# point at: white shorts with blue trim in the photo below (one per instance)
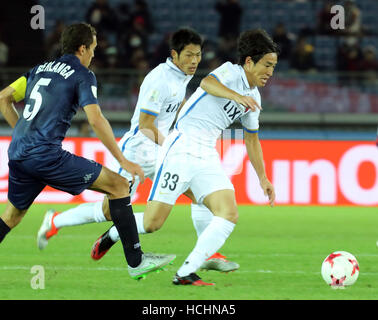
(180, 168)
(138, 150)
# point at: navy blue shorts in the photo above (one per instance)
(65, 171)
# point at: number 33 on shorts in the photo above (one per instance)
(169, 181)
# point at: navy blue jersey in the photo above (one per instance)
(54, 92)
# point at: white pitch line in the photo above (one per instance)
(294, 255)
(62, 268)
(231, 256)
(65, 268)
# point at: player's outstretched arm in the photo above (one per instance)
(104, 132)
(6, 106)
(255, 155)
(212, 86)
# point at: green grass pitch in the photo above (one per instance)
(280, 251)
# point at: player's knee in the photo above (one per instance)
(123, 186)
(233, 217)
(120, 187)
(152, 225)
(149, 228)
(230, 215)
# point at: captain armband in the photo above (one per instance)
(20, 88)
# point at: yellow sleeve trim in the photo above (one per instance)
(20, 88)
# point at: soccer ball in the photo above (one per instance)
(340, 269)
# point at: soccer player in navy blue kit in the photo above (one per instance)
(52, 93)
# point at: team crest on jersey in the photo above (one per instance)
(224, 73)
(154, 95)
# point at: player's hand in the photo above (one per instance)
(268, 190)
(134, 169)
(248, 102)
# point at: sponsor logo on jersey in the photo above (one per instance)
(232, 111)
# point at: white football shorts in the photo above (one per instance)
(182, 165)
(145, 156)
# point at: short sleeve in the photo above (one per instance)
(87, 89)
(225, 73)
(250, 121)
(152, 96)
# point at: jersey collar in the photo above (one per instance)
(70, 56)
(244, 77)
(170, 63)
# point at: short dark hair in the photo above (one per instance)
(75, 36)
(255, 43)
(182, 37)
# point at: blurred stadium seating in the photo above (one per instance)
(201, 15)
(118, 88)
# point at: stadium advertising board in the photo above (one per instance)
(304, 172)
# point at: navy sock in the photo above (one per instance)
(4, 229)
(123, 218)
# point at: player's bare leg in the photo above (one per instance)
(148, 221)
(157, 214)
(10, 218)
(103, 243)
(105, 209)
(119, 206)
(152, 219)
(223, 205)
(201, 217)
(122, 215)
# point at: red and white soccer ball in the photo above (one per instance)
(340, 269)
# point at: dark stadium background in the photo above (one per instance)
(325, 84)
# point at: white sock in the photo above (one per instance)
(139, 222)
(212, 239)
(113, 232)
(98, 214)
(82, 214)
(201, 217)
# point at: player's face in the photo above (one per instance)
(88, 53)
(258, 74)
(188, 59)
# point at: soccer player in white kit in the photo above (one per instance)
(161, 95)
(188, 158)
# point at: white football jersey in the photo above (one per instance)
(204, 116)
(161, 93)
